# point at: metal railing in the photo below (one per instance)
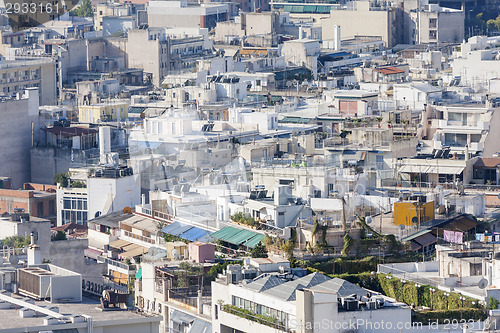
(116, 263)
(138, 237)
(408, 276)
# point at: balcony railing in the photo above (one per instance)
(250, 315)
(116, 263)
(138, 237)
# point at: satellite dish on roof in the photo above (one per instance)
(402, 226)
(439, 188)
(482, 283)
(414, 219)
(13, 259)
(368, 219)
(127, 210)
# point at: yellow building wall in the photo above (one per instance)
(94, 113)
(404, 212)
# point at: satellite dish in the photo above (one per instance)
(414, 219)
(498, 195)
(13, 259)
(127, 210)
(142, 115)
(368, 219)
(359, 189)
(439, 188)
(175, 254)
(402, 226)
(482, 283)
(401, 197)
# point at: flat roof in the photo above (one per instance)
(9, 318)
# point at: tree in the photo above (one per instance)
(259, 251)
(16, 241)
(494, 24)
(61, 178)
(492, 303)
(288, 248)
(85, 10)
(60, 235)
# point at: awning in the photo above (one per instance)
(252, 242)
(461, 223)
(414, 168)
(447, 170)
(430, 169)
(119, 278)
(176, 229)
(237, 236)
(138, 275)
(194, 234)
(134, 252)
(181, 317)
(420, 239)
(118, 244)
(200, 326)
(91, 253)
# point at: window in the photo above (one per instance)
(39, 209)
(52, 208)
(432, 34)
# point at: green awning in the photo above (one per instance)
(138, 275)
(225, 233)
(252, 242)
(287, 8)
(324, 9)
(242, 236)
(238, 236)
(136, 109)
(295, 120)
(309, 9)
(297, 9)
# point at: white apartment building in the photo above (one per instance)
(179, 14)
(18, 75)
(414, 95)
(107, 190)
(299, 305)
(458, 126)
(435, 24)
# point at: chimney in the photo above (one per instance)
(34, 255)
(301, 32)
(336, 38)
(467, 152)
(143, 200)
(104, 143)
